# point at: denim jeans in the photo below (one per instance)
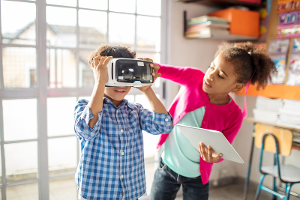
(167, 183)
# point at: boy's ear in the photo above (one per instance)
(238, 87)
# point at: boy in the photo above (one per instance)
(110, 132)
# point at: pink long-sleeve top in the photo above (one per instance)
(224, 118)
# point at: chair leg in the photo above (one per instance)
(274, 188)
(259, 186)
(288, 187)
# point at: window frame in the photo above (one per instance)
(41, 92)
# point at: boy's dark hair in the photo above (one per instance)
(246, 58)
(109, 50)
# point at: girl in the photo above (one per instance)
(203, 101)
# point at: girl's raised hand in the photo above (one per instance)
(154, 73)
(154, 66)
(100, 69)
(208, 154)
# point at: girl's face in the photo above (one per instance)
(220, 77)
(116, 94)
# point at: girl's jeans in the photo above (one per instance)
(167, 182)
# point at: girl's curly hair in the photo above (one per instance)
(109, 50)
(246, 58)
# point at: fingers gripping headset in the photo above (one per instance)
(127, 71)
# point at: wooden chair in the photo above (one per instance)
(277, 141)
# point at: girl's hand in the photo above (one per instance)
(208, 154)
(154, 73)
(100, 69)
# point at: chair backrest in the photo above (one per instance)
(284, 137)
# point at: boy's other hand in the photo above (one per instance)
(208, 154)
(154, 73)
(100, 69)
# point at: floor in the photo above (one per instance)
(65, 189)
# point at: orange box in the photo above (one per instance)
(242, 22)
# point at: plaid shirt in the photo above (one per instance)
(112, 155)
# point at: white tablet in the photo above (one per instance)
(215, 139)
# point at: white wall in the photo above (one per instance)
(242, 144)
(186, 52)
(191, 52)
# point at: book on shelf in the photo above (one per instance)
(296, 144)
(288, 31)
(198, 22)
(296, 46)
(287, 5)
(294, 70)
(207, 33)
(205, 18)
(295, 139)
(280, 63)
(278, 46)
(204, 29)
(206, 24)
(296, 134)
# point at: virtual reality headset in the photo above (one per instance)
(127, 71)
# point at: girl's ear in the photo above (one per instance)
(238, 87)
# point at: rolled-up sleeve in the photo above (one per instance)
(83, 115)
(155, 123)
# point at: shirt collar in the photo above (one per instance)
(108, 101)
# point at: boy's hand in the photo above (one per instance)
(100, 69)
(154, 73)
(208, 154)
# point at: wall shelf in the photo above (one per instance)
(224, 3)
(274, 91)
(232, 38)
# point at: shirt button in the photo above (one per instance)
(121, 130)
(122, 153)
(121, 176)
(166, 119)
(204, 122)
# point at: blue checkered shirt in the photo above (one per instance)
(111, 164)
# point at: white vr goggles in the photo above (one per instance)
(127, 71)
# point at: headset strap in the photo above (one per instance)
(245, 112)
(123, 52)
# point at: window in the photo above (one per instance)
(44, 71)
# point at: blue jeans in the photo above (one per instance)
(167, 183)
